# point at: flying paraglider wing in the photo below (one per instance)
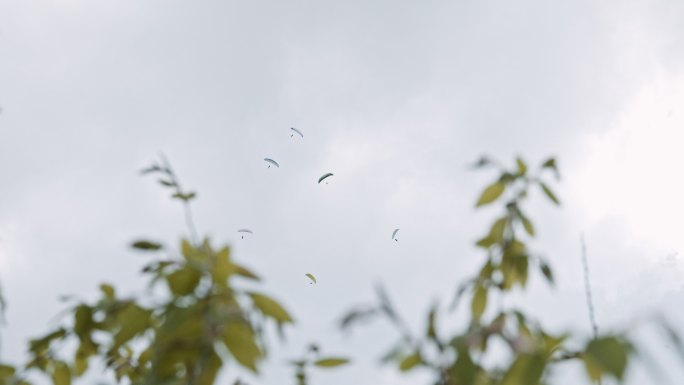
(245, 231)
(321, 179)
(297, 131)
(311, 277)
(271, 161)
(394, 233)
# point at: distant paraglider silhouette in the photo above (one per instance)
(321, 179)
(271, 162)
(244, 231)
(311, 277)
(394, 234)
(297, 131)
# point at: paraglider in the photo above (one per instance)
(271, 162)
(297, 131)
(394, 234)
(245, 231)
(311, 277)
(321, 179)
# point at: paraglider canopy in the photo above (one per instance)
(311, 277)
(394, 234)
(297, 131)
(321, 179)
(271, 162)
(245, 231)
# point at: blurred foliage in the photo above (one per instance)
(313, 358)
(198, 318)
(461, 358)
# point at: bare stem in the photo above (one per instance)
(587, 288)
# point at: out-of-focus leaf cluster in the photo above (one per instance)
(204, 322)
(459, 358)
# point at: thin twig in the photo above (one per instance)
(186, 204)
(587, 288)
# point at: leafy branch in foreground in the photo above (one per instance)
(465, 357)
(203, 321)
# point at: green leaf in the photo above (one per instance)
(479, 303)
(464, 369)
(41, 344)
(241, 342)
(222, 266)
(184, 197)
(491, 193)
(83, 322)
(146, 245)
(331, 362)
(546, 270)
(166, 183)
(153, 168)
(271, 308)
(496, 233)
(6, 373)
(529, 228)
(187, 250)
(522, 167)
(552, 342)
(108, 291)
(244, 272)
(410, 362)
(61, 375)
(526, 369)
(549, 193)
(550, 163)
(210, 368)
(357, 315)
(606, 355)
(184, 281)
(486, 242)
(431, 329)
(80, 364)
(132, 320)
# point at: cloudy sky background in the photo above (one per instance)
(395, 98)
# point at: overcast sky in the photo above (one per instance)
(395, 98)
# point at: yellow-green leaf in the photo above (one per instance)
(549, 193)
(546, 270)
(491, 193)
(6, 373)
(241, 342)
(222, 266)
(244, 272)
(522, 167)
(526, 369)
(146, 245)
(108, 291)
(132, 320)
(496, 233)
(529, 228)
(607, 355)
(61, 375)
(183, 281)
(479, 303)
(410, 362)
(210, 368)
(331, 362)
(486, 242)
(271, 308)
